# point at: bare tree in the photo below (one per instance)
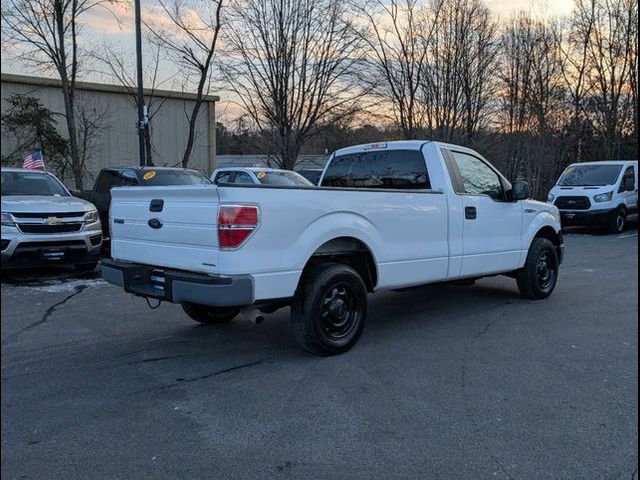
(532, 99)
(462, 52)
(289, 63)
(190, 39)
(396, 39)
(117, 67)
(44, 34)
(610, 58)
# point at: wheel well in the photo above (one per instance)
(349, 251)
(550, 234)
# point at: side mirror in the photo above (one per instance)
(519, 191)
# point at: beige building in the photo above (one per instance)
(117, 142)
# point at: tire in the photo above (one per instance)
(210, 315)
(329, 309)
(538, 278)
(618, 221)
(86, 267)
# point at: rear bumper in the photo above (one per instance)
(178, 286)
(586, 218)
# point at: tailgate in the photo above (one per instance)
(179, 230)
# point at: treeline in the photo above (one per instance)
(532, 92)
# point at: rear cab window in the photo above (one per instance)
(379, 169)
(174, 177)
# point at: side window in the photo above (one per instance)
(107, 179)
(127, 179)
(222, 177)
(393, 169)
(477, 177)
(243, 177)
(628, 183)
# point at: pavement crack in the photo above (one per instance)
(48, 312)
(154, 359)
(484, 330)
(204, 377)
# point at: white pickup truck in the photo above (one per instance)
(385, 216)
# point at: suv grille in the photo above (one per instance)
(20, 215)
(43, 228)
(573, 203)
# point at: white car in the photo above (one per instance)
(258, 176)
(601, 194)
(385, 216)
(42, 224)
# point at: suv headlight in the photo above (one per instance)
(91, 217)
(603, 197)
(7, 220)
(551, 197)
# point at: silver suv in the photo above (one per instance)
(43, 224)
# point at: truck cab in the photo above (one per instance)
(597, 194)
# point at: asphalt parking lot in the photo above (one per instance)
(446, 382)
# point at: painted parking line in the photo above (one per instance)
(628, 235)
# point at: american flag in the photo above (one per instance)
(34, 161)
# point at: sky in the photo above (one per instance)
(116, 28)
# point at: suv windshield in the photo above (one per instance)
(31, 183)
(174, 177)
(589, 175)
(282, 178)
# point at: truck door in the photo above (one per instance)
(492, 225)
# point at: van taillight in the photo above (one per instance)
(236, 224)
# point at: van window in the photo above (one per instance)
(393, 169)
(628, 183)
(590, 175)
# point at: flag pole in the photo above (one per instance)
(140, 96)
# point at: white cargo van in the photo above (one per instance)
(602, 194)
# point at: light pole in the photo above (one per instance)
(141, 106)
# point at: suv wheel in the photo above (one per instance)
(538, 278)
(210, 315)
(329, 309)
(618, 221)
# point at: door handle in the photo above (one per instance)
(470, 213)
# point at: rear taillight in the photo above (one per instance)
(235, 224)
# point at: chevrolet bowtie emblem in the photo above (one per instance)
(52, 221)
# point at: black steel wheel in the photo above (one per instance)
(538, 278)
(618, 221)
(329, 309)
